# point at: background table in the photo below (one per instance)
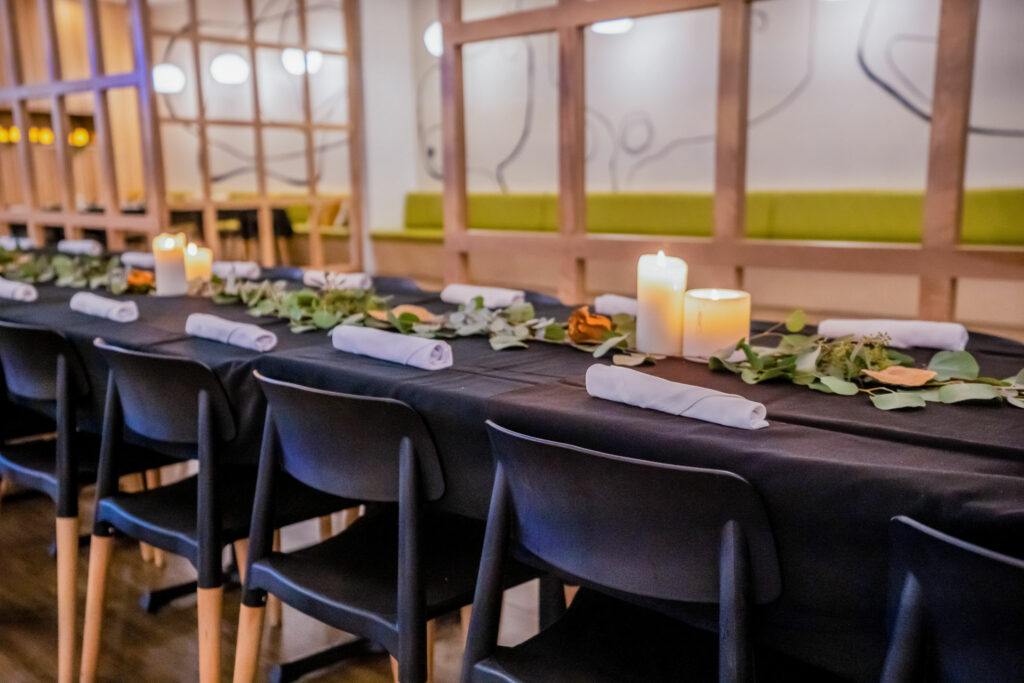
(832, 470)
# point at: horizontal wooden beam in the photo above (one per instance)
(244, 42)
(32, 91)
(245, 123)
(96, 221)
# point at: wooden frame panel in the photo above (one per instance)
(938, 261)
(17, 93)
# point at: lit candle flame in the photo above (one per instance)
(661, 258)
(192, 249)
(167, 243)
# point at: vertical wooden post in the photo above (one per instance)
(264, 217)
(731, 125)
(152, 148)
(356, 133)
(210, 233)
(58, 112)
(572, 146)
(947, 151)
(316, 246)
(103, 144)
(456, 260)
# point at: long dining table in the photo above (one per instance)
(831, 470)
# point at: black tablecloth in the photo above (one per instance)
(832, 470)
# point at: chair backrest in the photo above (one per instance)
(29, 357)
(958, 609)
(348, 445)
(160, 395)
(645, 528)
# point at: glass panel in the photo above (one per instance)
(328, 90)
(223, 18)
(325, 24)
(174, 77)
(280, 91)
(480, 9)
(332, 162)
(182, 174)
(226, 89)
(232, 161)
(833, 86)
(285, 152)
(127, 140)
(169, 15)
(276, 22)
(511, 102)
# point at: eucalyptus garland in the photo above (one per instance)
(848, 367)
(76, 271)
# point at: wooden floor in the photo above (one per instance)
(141, 647)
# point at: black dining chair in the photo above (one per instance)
(676, 538)
(957, 610)
(403, 563)
(177, 405)
(43, 374)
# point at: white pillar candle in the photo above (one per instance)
(715, 319)
(198, 262)
(660, 284)
(169, 264)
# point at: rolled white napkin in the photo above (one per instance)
(613, 304)
(138, 259)
(18, 291)
(494, 297)
(243, 335)
(248, 270)
(101, 306)
(11, 243)
(902, 334)
(427, 354)
(654, 393)
(323, 279)
(80, 247)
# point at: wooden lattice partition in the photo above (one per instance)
(16, 93)
(262, 202)
(938, 261)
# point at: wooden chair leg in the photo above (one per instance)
(153, 481)
(326, 528)
(273, 603)
(5, 486)
(67, 574)
(348, 517)
(465, 616)
(210, 606)
(570, 594)
(100, 550)
(250, 635)
(242, 557)
(394, 670)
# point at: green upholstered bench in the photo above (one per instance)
(991, 216)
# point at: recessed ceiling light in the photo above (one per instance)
(433, 39)
(293, 62)
(168, 78)
(613, 26)
(229, 68)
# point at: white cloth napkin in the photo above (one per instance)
(80, 247)
(10, 243)
(248, 270)
(902, 334)
(243, 335)
(138, 259)
(18, 291)
(613, 304)
(494, 297)
(654, 393)
(323, 279)
(101, 306)
(427, 354)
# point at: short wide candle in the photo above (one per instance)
(660, 284)
(715, 319)
(169, 264)
(198, 262)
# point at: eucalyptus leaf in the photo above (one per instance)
(500, 343)
(1015, 401)
(898, 400)
(325, 320)
(554, 332)
(630, 359)
(796, 321)
(840, 386)
(820, 386)
(609, 344)
(954, 365)
(954, 393)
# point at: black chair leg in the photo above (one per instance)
(551, 600)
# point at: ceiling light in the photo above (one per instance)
(229, 68)
(433, 39)
(168, 78)
(293, 63)
(613, 26)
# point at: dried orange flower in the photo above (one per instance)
(585, 326)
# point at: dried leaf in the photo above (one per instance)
(899, 376)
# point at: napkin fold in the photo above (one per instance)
(494, 297)
(324, 279)
(101, 306)
(248, 270)
(138, 259)
(80, 247)
(426, 354)
(613, 304)
(17, 291)
(11, 243)
(638, 389)
(903, 334)
(243, 335)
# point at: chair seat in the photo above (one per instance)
(603, 639)
(165, 517)
(33, 464)
(350, 580)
